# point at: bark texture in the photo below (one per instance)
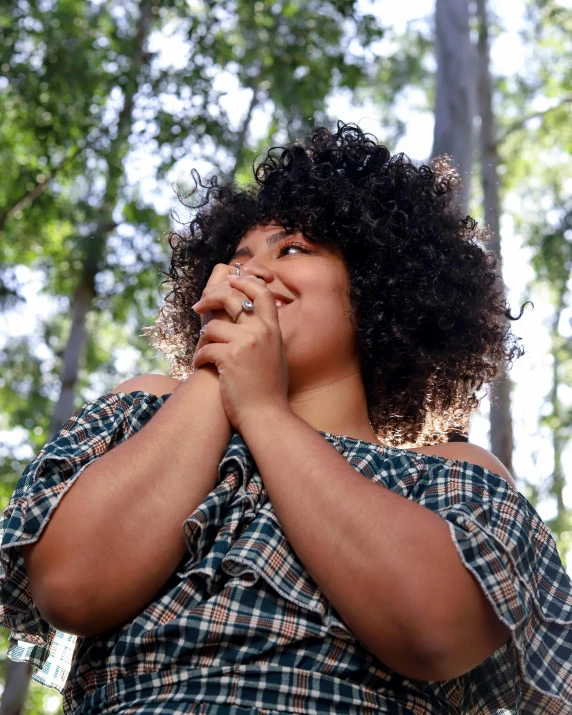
(455, 96)
(455, 103)
(500, 413)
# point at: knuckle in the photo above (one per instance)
(215, 289)
(218, 273)
(221, 268)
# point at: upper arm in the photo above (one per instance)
(466, 452)
(39, 555)
(478, 631)
(155, 384)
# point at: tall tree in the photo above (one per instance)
(535, 146)
(94, 247)
(455, 101)
(553, 267)
(455, 94)
(501, 433)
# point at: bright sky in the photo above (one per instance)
(531, 373)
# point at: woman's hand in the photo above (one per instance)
(249, 355)
(219, 274)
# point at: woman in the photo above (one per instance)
(336, 553)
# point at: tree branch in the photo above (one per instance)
(27, 198)
(519, 124)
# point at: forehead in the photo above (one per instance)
(263, 233)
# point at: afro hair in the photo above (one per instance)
(433, 320)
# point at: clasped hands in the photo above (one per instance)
(249, 355)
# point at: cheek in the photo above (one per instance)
(325, 318)
(319, 331)
(325, 302)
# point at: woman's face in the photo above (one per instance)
(318, 335)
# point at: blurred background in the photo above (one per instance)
(107, 105)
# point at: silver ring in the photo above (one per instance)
(247, 305)
(202, 334)
(237, 268)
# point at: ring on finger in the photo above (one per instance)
(247, 305)
(202, 334)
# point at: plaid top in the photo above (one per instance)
(243, 628)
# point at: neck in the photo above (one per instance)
(335, 405)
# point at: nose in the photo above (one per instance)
(257, 269)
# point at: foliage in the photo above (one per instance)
(535, 144)
(67, 204)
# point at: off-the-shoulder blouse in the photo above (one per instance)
(242, 628)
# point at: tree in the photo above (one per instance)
(535, 144)
(525, 160)
(553, 267)
(500, 414)
(454, 100)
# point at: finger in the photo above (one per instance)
(258, 292)
(215, 290)
(220, 273)
(221, 331)
(203, 339)
(209, 354)
(222, 298)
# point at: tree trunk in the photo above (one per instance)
(455, 96)
(81, 303)
(18, 674)
(500, 413)
(561, 522)
(15, 687)
(455, 104)
(239, 152)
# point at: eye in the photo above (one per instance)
(285, 246)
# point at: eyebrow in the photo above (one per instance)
(270, 241)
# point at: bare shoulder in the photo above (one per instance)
(466, 452)
(154, 383)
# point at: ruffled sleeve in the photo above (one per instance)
(89, 433)
(505, 544)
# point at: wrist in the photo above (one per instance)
(268, 416)
(206, 380)
(209, 373)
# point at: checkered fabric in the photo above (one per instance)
(243, 628)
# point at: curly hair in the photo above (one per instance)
(430, 298)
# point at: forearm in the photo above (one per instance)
(377, 556)
(116, 536)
